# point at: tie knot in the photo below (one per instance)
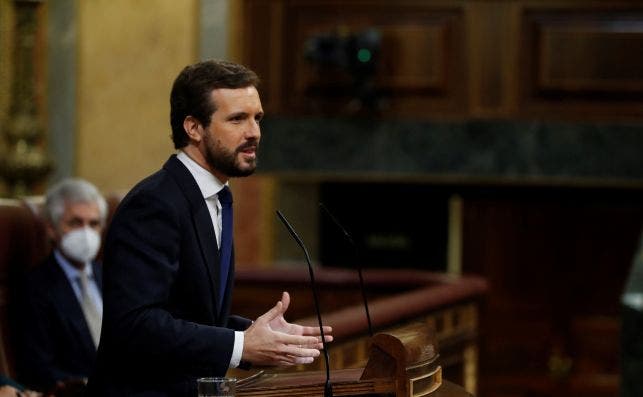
(82, 277)
(83, 281)
(225, 196)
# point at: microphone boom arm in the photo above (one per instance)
(359, 267)
(328, 389)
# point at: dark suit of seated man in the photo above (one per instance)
(62, 302)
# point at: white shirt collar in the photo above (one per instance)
(208, 183)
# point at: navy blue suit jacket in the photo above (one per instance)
(56, 343)
(161, 326)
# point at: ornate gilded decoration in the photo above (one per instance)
(25, 162)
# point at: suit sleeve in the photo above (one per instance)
(239, 323)
(143, 256)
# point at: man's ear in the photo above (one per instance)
(193, 128)
(52, 234)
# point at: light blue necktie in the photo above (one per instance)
(93, 317)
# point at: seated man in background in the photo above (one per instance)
(63, 305)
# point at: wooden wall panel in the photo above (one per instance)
(578, 61)
(583, 59)
(589, 53)
(259, 31)
(421, 61)
(556, 59)
(492, 28)
(414, 57)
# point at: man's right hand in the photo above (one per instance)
(263, 346)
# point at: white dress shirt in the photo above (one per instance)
(210, 186)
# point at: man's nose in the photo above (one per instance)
(253, 130)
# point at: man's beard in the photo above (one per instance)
(225, 161)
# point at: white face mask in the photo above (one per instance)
(81, 244)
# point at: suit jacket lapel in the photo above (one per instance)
(201, 220)
(98, 275)
(69, 307)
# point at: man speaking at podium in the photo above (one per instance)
(169, 257)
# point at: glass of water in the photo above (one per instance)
(216, 387)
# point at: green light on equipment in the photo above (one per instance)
(364, 55)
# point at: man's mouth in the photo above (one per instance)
(248, 150)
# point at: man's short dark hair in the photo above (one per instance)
(192, 88)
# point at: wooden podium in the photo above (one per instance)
(401, 364)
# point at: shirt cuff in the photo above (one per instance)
(634, 300)
(237, 350)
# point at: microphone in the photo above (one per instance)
(359, 267)
(328, 388)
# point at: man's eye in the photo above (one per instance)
(75, 223)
